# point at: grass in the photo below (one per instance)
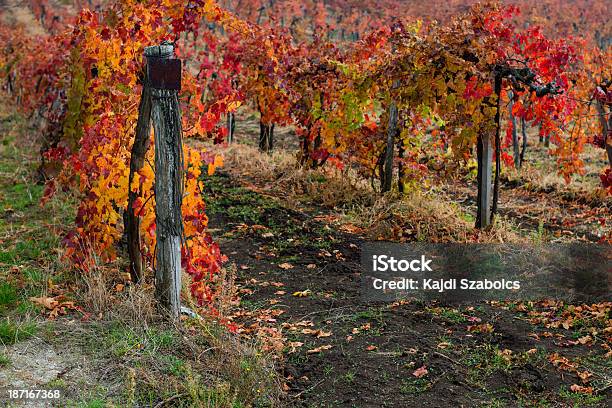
(482, 361)
(238, 203)
(578, 399)
(122, 340)
(5, 361)
(448, 314)
(93, 403)
(8, 295)
(349, 377)
(414, 386)
(12, 332)
(174, 365)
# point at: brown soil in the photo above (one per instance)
(374, 367)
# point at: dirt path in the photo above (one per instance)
(298, 274)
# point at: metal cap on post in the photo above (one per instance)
(163, 70)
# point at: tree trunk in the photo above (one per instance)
(139, 151)
(266, 137)
(400, 169)
(305, 151)
(484, 154)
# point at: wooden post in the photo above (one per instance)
(231, 127)
(524, 144)
(387, 175)
(164, 74)
(497, 88)
(515, 141)
(400, 166)
(485, 156)
(606, 125)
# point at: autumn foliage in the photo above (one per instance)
(325, 74)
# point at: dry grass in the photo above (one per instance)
(416, 216)
(425, 217)
(279, 174)
(209, 366)
(541, 173)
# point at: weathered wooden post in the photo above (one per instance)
(524, 145)
(391, 131)
(485, 156)
(387, 174)
(515, 141)
(164, 74)
(231, 127)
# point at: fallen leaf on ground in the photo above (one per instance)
(581, 389)
(319, 349)
(420, 372)
(481, 328)
(584, 376)
(285, 266)
(294, 346)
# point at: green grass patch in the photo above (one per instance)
(4, 360)
(482, 361)
(448, 314)
(122, 340)
(578, 399)
(8, 256)
(8, 295)
(14, 332)
(237, 203)
(415, 386)
(174, 365)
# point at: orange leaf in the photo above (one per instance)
(420, 372)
